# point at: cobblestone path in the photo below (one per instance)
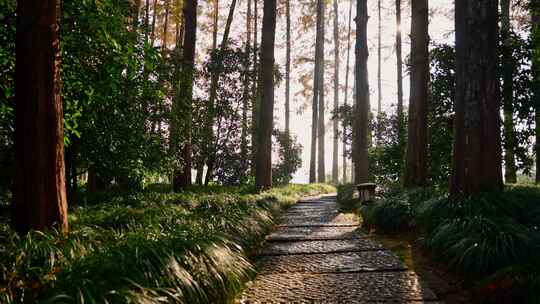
(317, 255)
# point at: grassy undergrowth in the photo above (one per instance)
(150, 247)
(492, 238)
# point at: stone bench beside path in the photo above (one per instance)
(318, 255)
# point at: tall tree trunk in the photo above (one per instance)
(399, 58)
(39, 193)
(379, 60)
(246, 97)
(212, 100)
(316, 96)
(200, 166)
(321, 168)
(288, 68)
(416, 162)
(146, 20)
(256, 97)
(347, 90)
(215, 24)
(362, 108)
(508, 92)
(71, 174)
(153, 29)
(180, 29)
(185, 93)
(136, 12)
(263, 171)
(477, 141)
(165, 27)
(335, 153)
(535, 34)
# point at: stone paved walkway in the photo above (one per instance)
(317, 255)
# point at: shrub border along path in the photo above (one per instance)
(318, 255)
(149, 247)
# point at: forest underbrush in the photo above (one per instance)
(481, 248)
(154, 246)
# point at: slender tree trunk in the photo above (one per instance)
(200, 166)
(185, 93)
(215, 24)
(379, 61)
(246, 97)
(212, 100)
(321, 168)
(316, 96)
(74, 183)
(477, 143)
(508, 92)
(362, 108)
(146, 20)
(256, 97)
(288, 68)
(535, 34)
(416, 166)
(400, 116)
(71, 174)
(335, 152)
(347, 91)
(263, 171)
(136, 12)
(153, 30)
(166, 27)
(39, 193)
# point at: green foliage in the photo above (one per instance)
(441, 113)
(289, 158)
(441, 110)
(481, 234)
(7, 88)
(150, 247)
(107, 95)
(231, 167)
(386, 157)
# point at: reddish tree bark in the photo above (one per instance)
(416, 162)
(263, 170)
(39, 194)
(477, 140)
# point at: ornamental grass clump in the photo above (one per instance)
(148, 247)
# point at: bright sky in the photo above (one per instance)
(441, 28)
